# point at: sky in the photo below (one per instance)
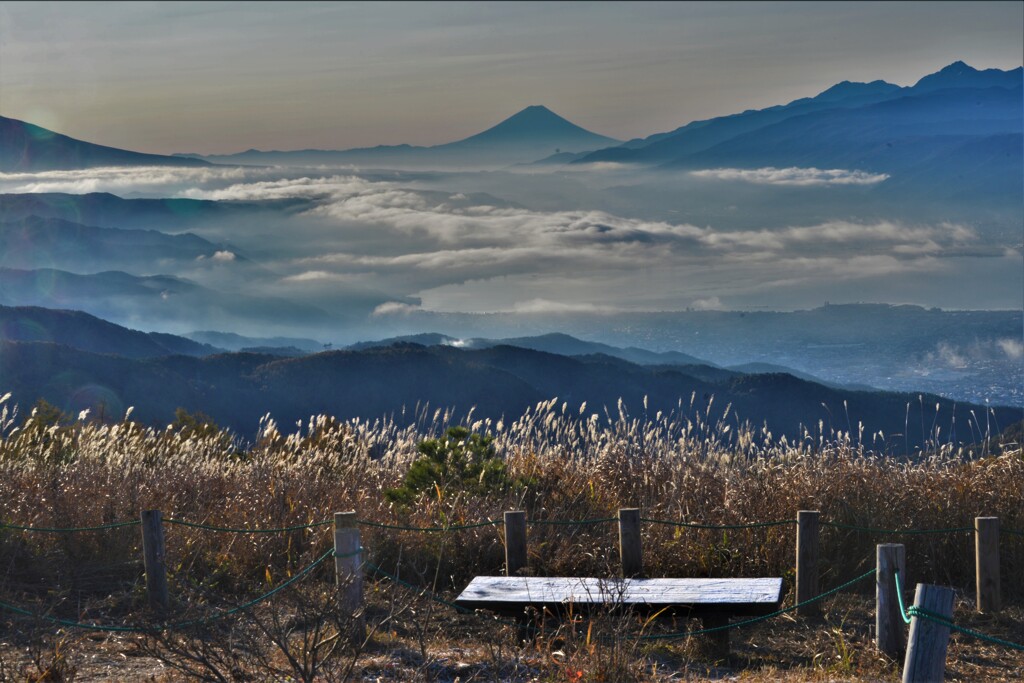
(225, 77)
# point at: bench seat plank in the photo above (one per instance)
(510, 594)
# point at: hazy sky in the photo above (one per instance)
(223, 77)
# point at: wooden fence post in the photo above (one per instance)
(891, 558)
(630, 552)
(986, 562)
(154, 553)
(348, 567)
(515, 542)
(926, 647)
(807, 560)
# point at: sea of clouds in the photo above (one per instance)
(398, 246)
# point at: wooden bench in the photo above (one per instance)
(713, 601)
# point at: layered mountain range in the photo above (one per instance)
(957, 100)
(958, 131)
(107, 369)
(958, 124)
(953, 139)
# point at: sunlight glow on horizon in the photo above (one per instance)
(225, 77)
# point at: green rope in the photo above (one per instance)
(922, 613)
(194, 525)
(422, 591)
(181, 624)
(266, 596)
(1015, 532)
(70, 530)
(572, 522)
(454, 527)
(896, 531)
(693, 525)
(915, 611)
(899, 596)
(433, 596)
(754, 620)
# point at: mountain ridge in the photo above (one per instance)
(79, 330)
(502, 382)
(25, 146)
(525, 136)
(697, 136)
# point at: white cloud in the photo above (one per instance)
(957, 357)
(950, 356)
(549, 306)
(806, 177)
(1013, 348)
(162, 180)
(316, 276)
(712, 303)
(599, 166)
(389, 242)
(395, 308)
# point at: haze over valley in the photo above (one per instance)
(863, 236)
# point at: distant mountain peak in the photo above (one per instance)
(535, 117)
(845, 89)
(962, 75)
(27, 147)
(533, 125)
(536, 112)
(957, 66)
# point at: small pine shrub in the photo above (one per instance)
(460, 461)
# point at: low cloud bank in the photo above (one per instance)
(384, 242)
(801, 177)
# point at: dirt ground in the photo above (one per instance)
(426, 642)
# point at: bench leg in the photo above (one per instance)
(718, 640)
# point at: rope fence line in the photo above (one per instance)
(754, 620)
(180, 624)
(801, 601)
(378, 571)
(429, 529)
(245, 530)
(568, 522)
(489, 522)
(914, 611)
(871, 530)
(69, 530)
(697, 525)
(906, 613)
(922, 613)
(899, 598)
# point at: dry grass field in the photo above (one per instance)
(570, 470)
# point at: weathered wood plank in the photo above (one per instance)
(889, 628)
(348, 567)
(986, 558)
(727, 596)
(154, 554)
(807, 528)
(630, 551)
(515, 542)
(925, 661)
